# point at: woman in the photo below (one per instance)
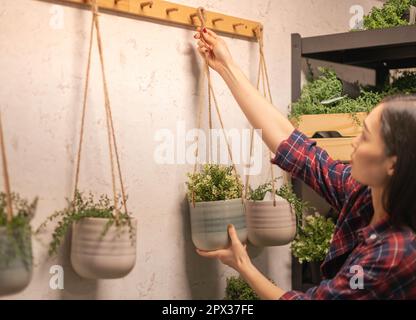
(373, 252)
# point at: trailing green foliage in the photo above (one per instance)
(405, 83)
(391, 14)
(86, 207)
(214, 183)
(313, 241)
(15, 243)
(327, 86)
(238, 289)
(286, 192)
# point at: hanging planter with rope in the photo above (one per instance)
(270, 222)
(214, 193)
(103, 244)
(16, 261)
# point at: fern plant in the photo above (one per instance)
(86, 207)
(214, 183)
(16, 244)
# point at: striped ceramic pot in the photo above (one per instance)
(270, 225)
(98, 256)
(209, 222)
(15, 264)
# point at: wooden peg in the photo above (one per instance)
(116, 2)
(214, 21)
(193, 16)
(169, 10)
(236, 25)
(146, 4)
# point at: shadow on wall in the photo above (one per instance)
(75, 286)
(202, 273)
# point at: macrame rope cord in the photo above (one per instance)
(9, 206)
(112, 143)
(263, 74)
(211, 98)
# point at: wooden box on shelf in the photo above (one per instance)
(347, 125)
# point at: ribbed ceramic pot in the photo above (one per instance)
(209, 222)
(270, 225)
(94, 256)
(16, 268)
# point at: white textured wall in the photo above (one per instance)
(153, 73)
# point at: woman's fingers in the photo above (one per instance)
(209, 38)
(212, 33)
(203, 45)
(210, 254)
(233, 235)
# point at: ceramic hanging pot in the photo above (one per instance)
(210, 220)
(98, 256)
(270, 225)
(16, 262)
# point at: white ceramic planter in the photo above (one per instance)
(94, 256)
(16, 273)
(270, 225)
(209, 222)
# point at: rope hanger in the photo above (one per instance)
(112, 143)
(9, 206)
(262, 75)
(211, 98)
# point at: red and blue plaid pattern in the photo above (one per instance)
(384, 256)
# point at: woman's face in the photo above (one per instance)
(370, 165)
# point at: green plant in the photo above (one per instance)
(85, 207)
(326, 87)
(404, 83)
(286, 192)
(313, 241)
(18, 230)
(214, 183)
(238, 289)
(391, 14)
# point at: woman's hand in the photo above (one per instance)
(235, 256)
(214, 49)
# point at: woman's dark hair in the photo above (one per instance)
(398, 130)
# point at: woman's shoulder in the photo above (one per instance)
(391, 246)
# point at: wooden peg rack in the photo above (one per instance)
(173, 13)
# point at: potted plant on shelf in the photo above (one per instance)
(312, 243)
(393, 13)
(273, 221)
(15, 243)
(215, 201)
(238, 289)
(328, 113)
(103, 244)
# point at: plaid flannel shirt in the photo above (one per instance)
(382, 256)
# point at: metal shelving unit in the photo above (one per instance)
(381, 50)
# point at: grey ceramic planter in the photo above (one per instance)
(94, 256)
(209, 222)
(16, 271)
(270, 225)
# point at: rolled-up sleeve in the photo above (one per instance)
(303, 159)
